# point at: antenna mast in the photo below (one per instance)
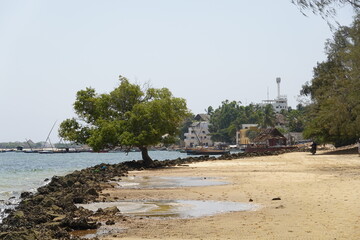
(278, 80)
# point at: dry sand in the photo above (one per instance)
(319, 199)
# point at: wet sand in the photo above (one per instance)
(319, 199)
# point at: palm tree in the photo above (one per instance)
(269, 117)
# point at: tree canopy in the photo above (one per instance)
(126, 117)
(227, 119)
(325, 8)
(334, 114)
(295, 118)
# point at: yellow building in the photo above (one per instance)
(241, 137)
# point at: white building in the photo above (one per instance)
(280, 102)
(198, 133)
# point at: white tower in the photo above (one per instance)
(278, 80)
(280, 102)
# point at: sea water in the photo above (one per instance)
(20, 172)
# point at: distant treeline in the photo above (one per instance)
(30, 144)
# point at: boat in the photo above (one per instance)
(206, 151)
(46, 152)
(31, 149)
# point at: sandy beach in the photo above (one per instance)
(318, 199)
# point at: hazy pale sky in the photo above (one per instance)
(205, 51)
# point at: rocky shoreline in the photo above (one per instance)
(51, 213)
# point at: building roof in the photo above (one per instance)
(269, 133)
(202, 117)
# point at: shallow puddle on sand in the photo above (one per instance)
(167, 182)
(173, 208)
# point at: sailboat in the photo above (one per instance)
(48, 151)
(31, 149)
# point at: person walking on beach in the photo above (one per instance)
(313, 147)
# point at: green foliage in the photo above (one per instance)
(325, 8)
(209, 110)
(334, 90)
(126, 117)
(295, 118)
(185, 127)
(268, 116)
(222, 120)
(228, 118)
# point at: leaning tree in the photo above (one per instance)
(126, 117)
(326, 8)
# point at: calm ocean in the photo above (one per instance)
(21, 172)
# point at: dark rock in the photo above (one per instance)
(69, 182)
(276, 199)
(18, 235)
(250, 200)
(43, 190)
(81, 223)
(78, 199)
(7, 210)
(92, 192)
(25, 194)
(100, 211)
(110, 222)
(111, 210)
(48, 202)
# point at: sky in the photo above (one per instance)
(205, 51)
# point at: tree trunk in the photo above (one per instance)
(145, 156)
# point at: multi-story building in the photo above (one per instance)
(198, 133)
(279, 103)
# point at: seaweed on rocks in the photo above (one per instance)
(51, 213)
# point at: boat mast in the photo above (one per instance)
(27, 141)
(48, 137)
